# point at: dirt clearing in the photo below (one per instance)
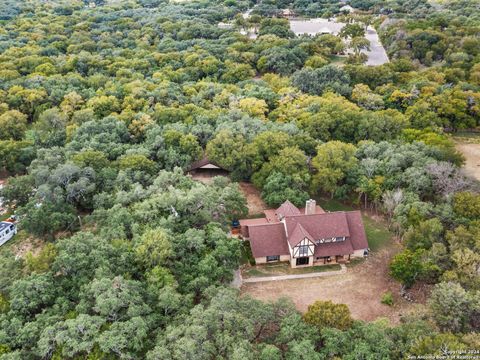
(361, 288)
(255, 203)
(472, 156)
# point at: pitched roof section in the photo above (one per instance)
(357, 230)
(287, 209)
(271, 215)
(320, 226)
(204, 162)
(268, 239)
(252, 222)
(318, 210)
(298, 234)
(333, 249)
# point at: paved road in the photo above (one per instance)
(377, 54)
(343, 270)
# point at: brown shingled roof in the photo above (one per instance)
(357, 230)
(318, 210)
(298, 234)
(202, 162)
(334, 248)
(287, 209)
(268, 239)
(320, 226)
(251, 222)
(268, 236)
(271, 215)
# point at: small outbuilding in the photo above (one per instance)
(206, 168)
(287, 13)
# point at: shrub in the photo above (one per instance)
(387, 298)
(324, 314)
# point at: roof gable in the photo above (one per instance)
(204, 163)
(298, 234)
(287, 209)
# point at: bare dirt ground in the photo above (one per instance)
(471, 151)
(21, 247)
(255, 203)
(361, 288)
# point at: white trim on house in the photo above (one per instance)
(303, 245)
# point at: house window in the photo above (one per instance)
(303, 250)
(273, 258)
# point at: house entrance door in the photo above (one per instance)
(303, 261)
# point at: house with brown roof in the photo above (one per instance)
(206, 167)
(305, 237)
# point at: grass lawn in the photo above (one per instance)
(378, 234)
(277, 269)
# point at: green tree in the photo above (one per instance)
(467, 204)
(41, 263)
(451, 307)
(326, 78)
(50, 128)
(290, 161)
(407, 266)
(352, 31)
(437, 344)
(333, 161)
(326, 314)
(153, 248)
(13, 125)
(103, 105)
(137, 162)
(32, 294)
(279, 187)
(424, 234)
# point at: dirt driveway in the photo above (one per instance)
(361, 288)
(255, 203)
(472, 157)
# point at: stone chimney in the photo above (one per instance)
(310, 207)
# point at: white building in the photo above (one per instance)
(7, 231)
(347, 9)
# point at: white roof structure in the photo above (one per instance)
(315, 26)
(347, 8)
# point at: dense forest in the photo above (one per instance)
(105, 104)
